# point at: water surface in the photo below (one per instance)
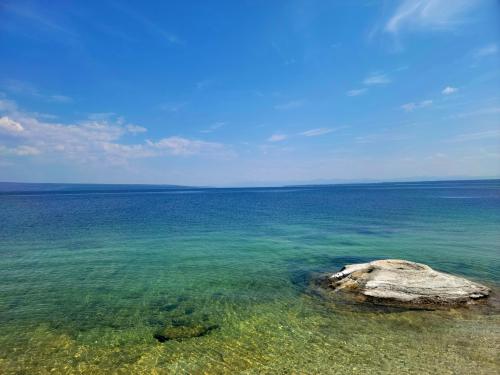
(88, 274)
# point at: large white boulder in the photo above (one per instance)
(393, 281)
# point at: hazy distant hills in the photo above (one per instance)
(10, 187)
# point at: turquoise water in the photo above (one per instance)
(89, 274)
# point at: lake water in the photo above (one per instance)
(89, 274)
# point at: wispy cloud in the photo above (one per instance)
(487, 134)
(38, 18)
(321, 131)
(101, 115)
(20, 87)
(7, 105)
(183, 146)
(485, 51)
(425, 15)
(213, 127)
(292, 104)
(437, 156)
(478, 112)
(409, 107)
(153, 28)
(356, 92)
(317, 132)
(19, 150)
(277, 138)
(28, 89)
(59, 98)
(381, 137)
(172, 106)
(448, 90)
(203, 84)
(373, 79)
(377, 78)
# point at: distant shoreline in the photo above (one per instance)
(30, 188)
(27, 186)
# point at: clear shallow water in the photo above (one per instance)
(87, 276)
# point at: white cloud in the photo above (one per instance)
(428, 15)
(119, 152)
(10, 126)
(317, 132)
(277, 138)
(90, 140)
(134, 129)
(356, 92)
(448, 90)
(409, 107)
(376, 79)
(292, 104)
(22, 150)
(489, 50)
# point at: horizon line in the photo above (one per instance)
(407, 180)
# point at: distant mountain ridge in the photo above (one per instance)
(68, 188)
(9, 187)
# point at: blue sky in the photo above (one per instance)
(248, 92)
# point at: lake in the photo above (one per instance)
(89, 273)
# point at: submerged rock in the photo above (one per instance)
(180, 332)
(400, 282)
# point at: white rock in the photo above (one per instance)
(400, 281)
